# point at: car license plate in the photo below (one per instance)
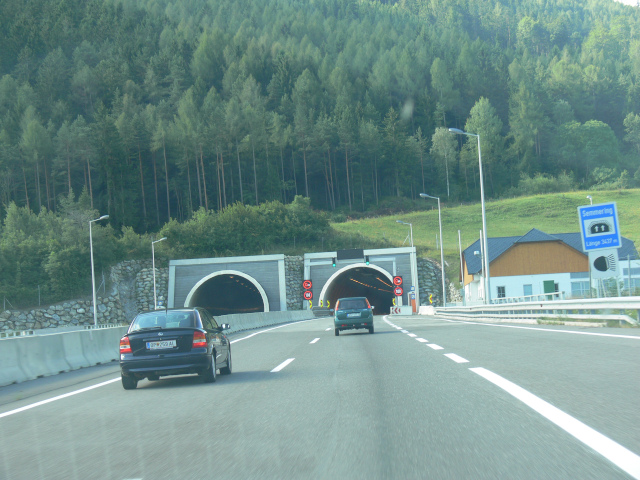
(161, 345)
(351, 315)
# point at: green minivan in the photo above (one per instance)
(351, 313)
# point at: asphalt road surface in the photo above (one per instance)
(422, 398)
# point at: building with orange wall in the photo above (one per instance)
(537, 263)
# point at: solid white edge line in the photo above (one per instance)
(59, 397)
(456, 358)
(632, 337)
(314, 340)
(612, 451)
(282, 365)
(269, 329)
(434, 346)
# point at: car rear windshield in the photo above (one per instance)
(353, 304)
(163, 320)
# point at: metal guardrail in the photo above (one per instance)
(580, 309)
(530, 298)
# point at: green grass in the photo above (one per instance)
(552, 213)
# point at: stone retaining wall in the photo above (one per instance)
(294, 276)
(74, 312)
(430, 281)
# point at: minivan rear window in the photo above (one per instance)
(353, 304)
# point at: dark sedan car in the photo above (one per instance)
(174, 342)
(351, 313)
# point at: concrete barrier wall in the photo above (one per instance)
(27, 358)
(247, 321)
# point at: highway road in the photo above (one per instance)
(422, 398)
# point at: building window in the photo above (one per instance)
(579, 289)
(501, 292)
(527, 290)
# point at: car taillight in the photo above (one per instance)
(199, 339)
(125, 346)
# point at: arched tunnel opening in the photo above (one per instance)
(227, 293)
(363, 282)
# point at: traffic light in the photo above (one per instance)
(334, 262)
(366, 259)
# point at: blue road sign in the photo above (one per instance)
(599, 226)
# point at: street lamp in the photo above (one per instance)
(457, 131)
(444, 292)
(590, 199)
(410, 230)
(153, 264)
(93, 275)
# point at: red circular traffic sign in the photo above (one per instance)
(397, 280)
(398, 291)
(307, 284)
(308, 294)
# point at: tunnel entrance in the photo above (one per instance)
(362, 281)
(227, 292)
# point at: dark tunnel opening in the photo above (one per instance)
(226, 294)
(363, 282)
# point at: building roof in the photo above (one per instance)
(499, 245)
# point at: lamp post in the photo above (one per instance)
(410, 230)
(93, 275)
(457, 131)
(590, 199)
(153, 265)
(444, 292)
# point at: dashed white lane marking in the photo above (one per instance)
(314, 340)
(422, 340)
(412, 335)
(59, 397)
(398, 328)
(612, 451)
(404, 331)
(327, 329)
(456, 358)
(434, 346)
(282, 365)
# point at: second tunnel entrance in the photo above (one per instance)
(361, 281)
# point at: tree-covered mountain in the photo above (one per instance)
(161, 107)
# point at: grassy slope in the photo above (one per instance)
(552, 213)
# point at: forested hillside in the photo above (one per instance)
(161, 107)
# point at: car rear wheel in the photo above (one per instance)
(371, 329)
(209, 375)
(227, 370)
(337, 332)
(129, 383)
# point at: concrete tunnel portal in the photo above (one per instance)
(361, 281)
(228, 292)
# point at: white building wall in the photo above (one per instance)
(514, 285)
